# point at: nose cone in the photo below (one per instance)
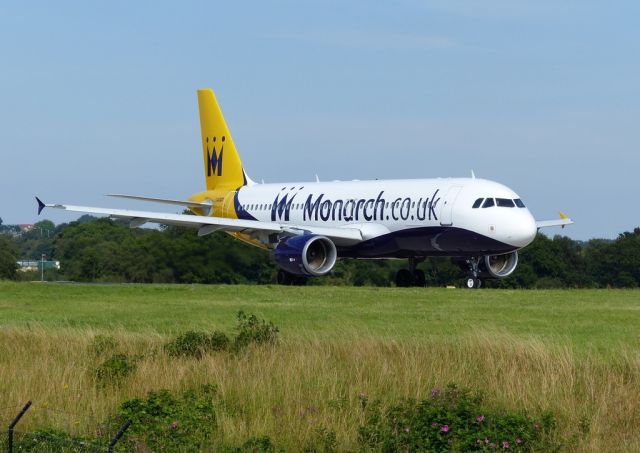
(522, 229)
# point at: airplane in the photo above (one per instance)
(308, 226)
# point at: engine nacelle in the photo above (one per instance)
(306, 255)
(499, 266)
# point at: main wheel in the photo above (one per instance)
(404, 279)
(284, 277)
(419, 279)
(299, 281)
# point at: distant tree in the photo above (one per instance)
(8, 265)
(86, 218)
(617, 263)
(93, 249)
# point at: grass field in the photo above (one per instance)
(573, 352)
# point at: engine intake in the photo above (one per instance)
(306, 255)
(500, 266)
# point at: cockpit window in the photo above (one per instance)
(505, 203)
(519, 203)
(477, 203)
(488, 203)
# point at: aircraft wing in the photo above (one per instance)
(188, 204)
(562, 222)
(206, 225)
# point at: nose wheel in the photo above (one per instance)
(474, 281)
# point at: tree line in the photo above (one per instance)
(103, 250)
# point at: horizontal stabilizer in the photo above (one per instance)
(561, 222)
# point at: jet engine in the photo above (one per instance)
(306, 255)
(499, 266)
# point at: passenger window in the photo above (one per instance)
(519, 203)
(488, 203)
(477, 203)
(505, 202)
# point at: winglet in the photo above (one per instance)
(41, 205)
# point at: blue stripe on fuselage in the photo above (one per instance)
(241, 213)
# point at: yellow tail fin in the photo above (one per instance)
(222, 165)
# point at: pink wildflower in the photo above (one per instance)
(434, 424)
(480, 418)
(407, 430)
(505, 445)
(445, 428)
(174, 425)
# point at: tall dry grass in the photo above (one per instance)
(289, 391)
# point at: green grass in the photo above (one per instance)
(586, 320)
(571, 352)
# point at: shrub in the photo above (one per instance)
(114, 370)
(51, 439)
(452, 420)
(165, 422)
(219, 341)
(190, 344)
(251, 329)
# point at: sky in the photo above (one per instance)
(542, 96)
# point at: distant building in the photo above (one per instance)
(34, 265)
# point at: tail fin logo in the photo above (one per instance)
(214, 161)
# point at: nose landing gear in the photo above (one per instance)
(474, 282)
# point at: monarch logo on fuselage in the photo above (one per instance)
(214, 160)
(320, 208)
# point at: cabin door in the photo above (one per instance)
(446, 211)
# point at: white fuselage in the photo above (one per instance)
(400, 218)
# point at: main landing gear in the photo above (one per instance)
(474, 282)
(286, 278)
(412, 276)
